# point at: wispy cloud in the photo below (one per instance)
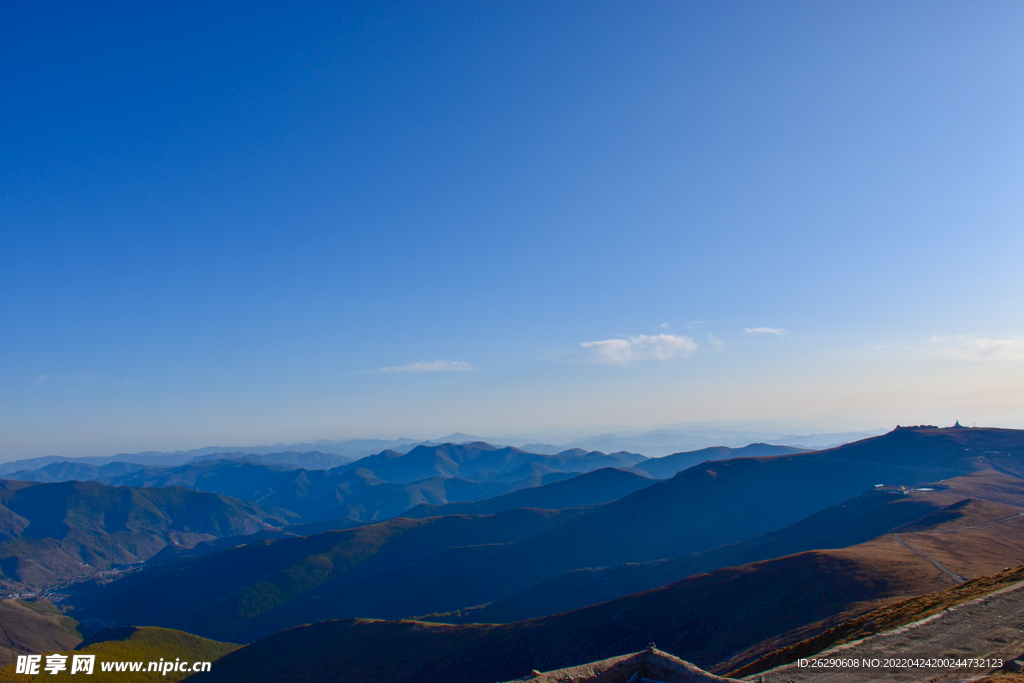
(431, 366)
(972, 347)
(716, 342)
(765, 330)
(642, 347)
(41, 379)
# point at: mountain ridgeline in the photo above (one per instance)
(684, 525)
(373, 488)
(54, 532)
(519, 559)
(40, 551)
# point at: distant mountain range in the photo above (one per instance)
(700, 510)
(655, 443)
(511, 559)
(388, 483)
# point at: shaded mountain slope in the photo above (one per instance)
(591, 488)
(316, 495)
(720, 502)
(704, 507)
(699, 509)
(75, 471)
(704, 619)
(311, 460)
(54, 532)
(854, 521)
(34, 626)
(480, 461)
(385, 500)
(219, 595)
(668, 466)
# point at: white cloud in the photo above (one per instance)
(431, 366)
(972, 347)
(716, 342)
(765, 330)
(642, 347)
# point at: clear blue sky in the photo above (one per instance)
(234, 223)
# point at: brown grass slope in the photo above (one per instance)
(705, 619)
(33, 626)
(884, 619)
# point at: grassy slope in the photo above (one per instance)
(147, 644)
(884, 619)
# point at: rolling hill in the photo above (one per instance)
(591, 488)
(375, 488)
(854, 521)
(482, 462)
(668, 466)
(55, 532)
(706, 619)
(699, 510)
(223, 595)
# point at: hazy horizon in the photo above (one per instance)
(688, 435)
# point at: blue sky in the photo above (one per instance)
(234, 223)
